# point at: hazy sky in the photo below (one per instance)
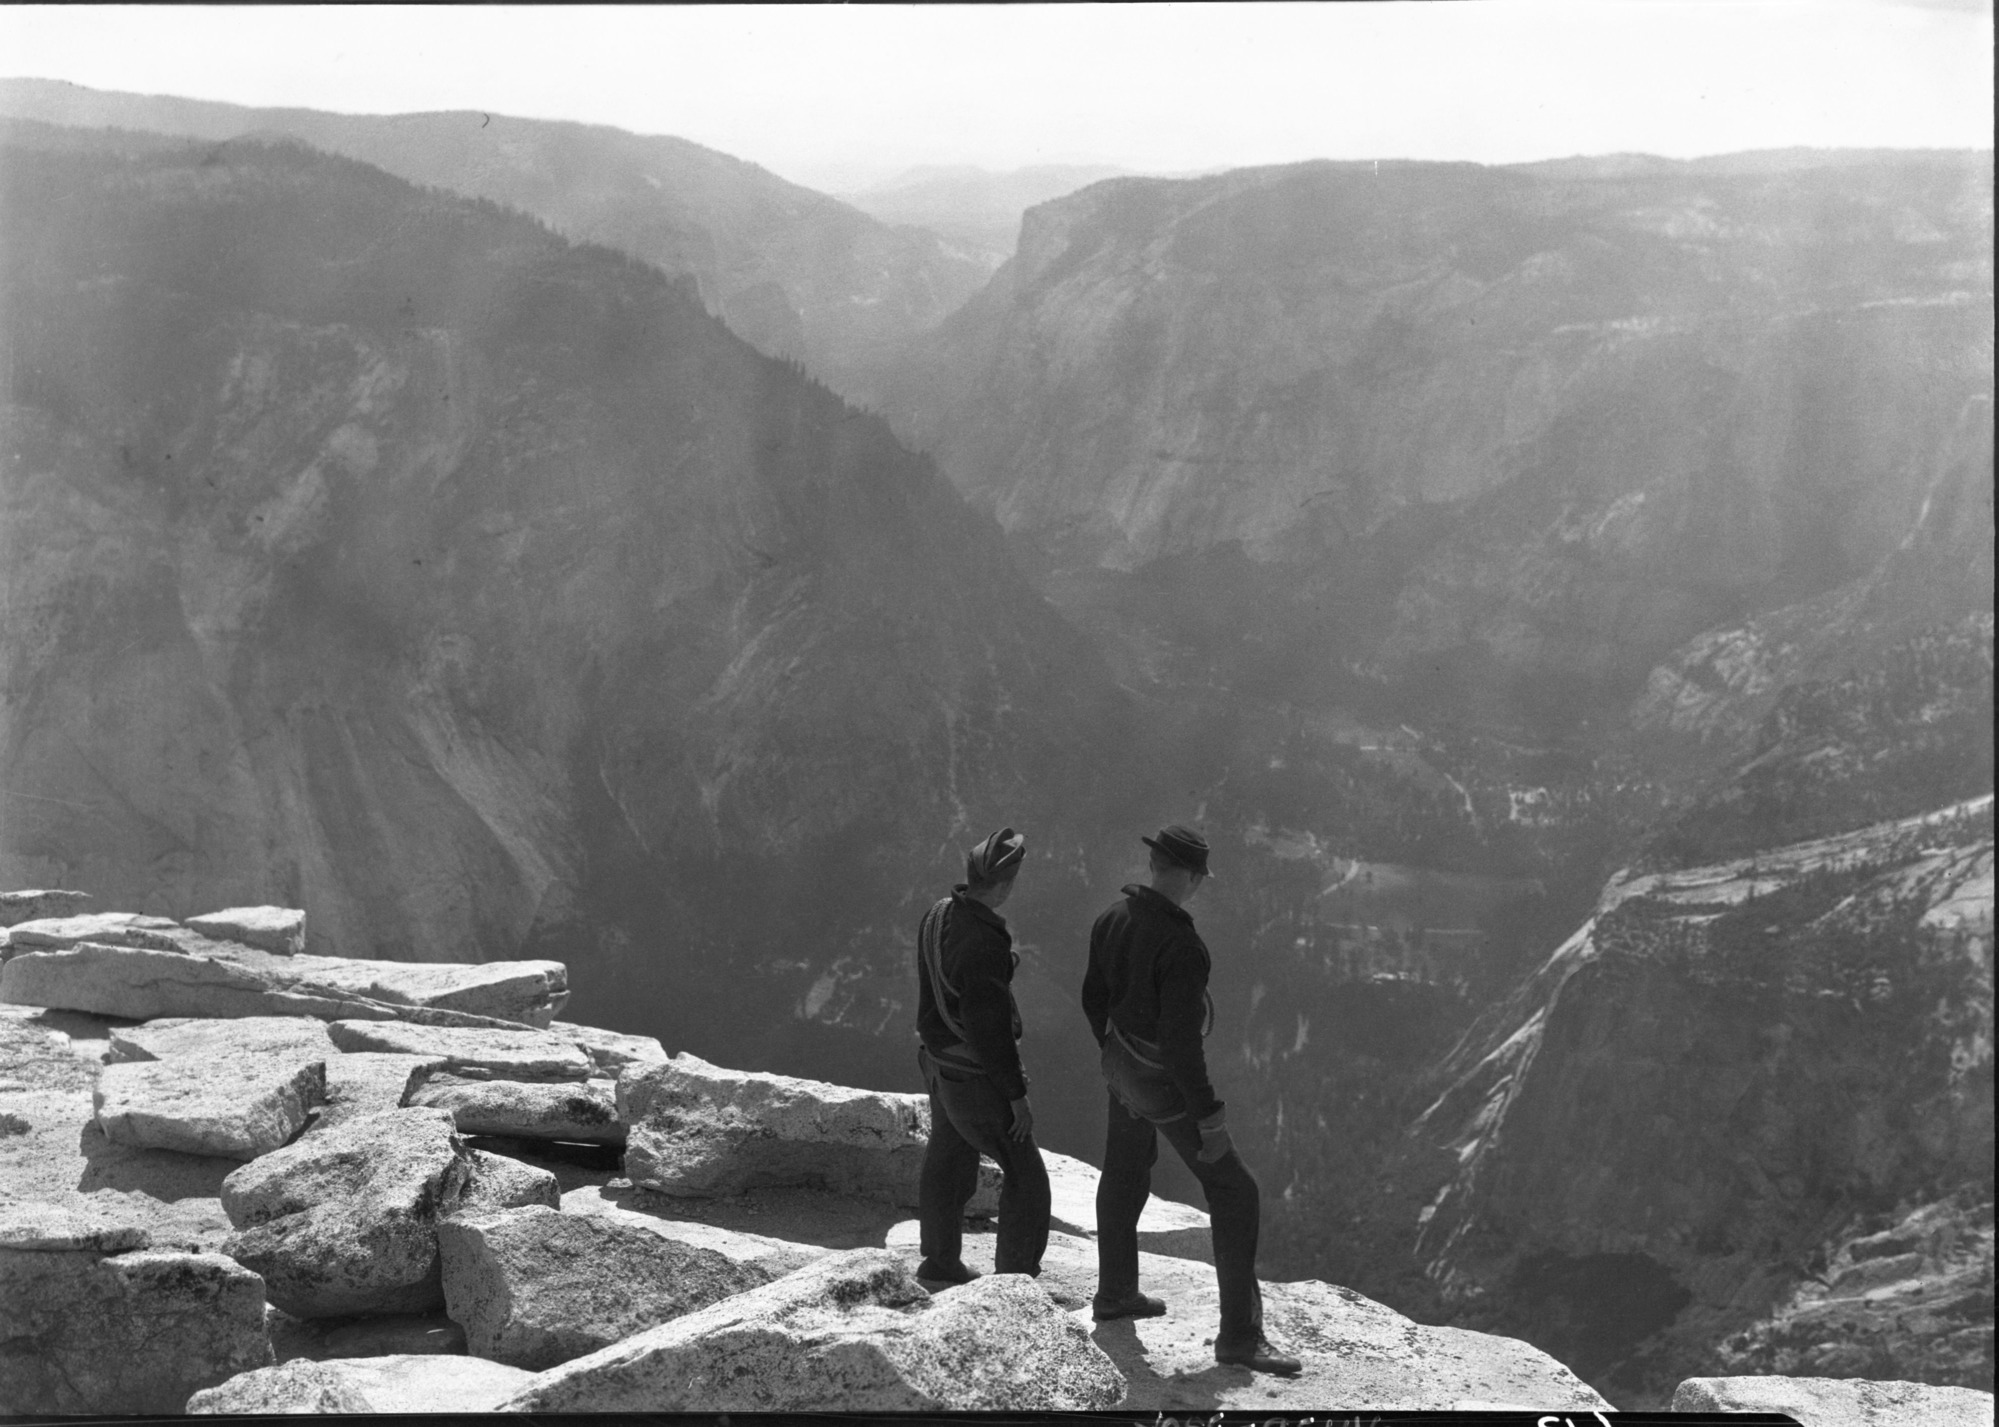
(837, 96)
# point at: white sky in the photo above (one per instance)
(840, 95)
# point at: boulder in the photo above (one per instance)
(180, 973)
(279, 930)
(611, 1050)
(345, 1221)
(535, 1287)
(91, 926)
(133, 1333)
(1838, 1402)
(851, 1333)
(524, 992)
(499, 1182)
(700, 1130)
(229, 1106)
(399, 1385)
(579, 1112)
(290, 1037)
(370, 1082)
(499, 1054)
(38, 905)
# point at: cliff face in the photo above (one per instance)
(1516, 425)
(1727, 1066)
(978, 212)
(793, 272)
(376, 551)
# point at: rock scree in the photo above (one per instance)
(855, 1333)
(751, 1248)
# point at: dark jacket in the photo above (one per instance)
(1149, 973)
(976, 950)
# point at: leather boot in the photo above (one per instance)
(1259, 1356)
(1138, 1305)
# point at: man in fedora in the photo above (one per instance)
(968, 1023)
(1146, 994)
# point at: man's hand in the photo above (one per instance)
(1023, 1119)
(1215, 1142)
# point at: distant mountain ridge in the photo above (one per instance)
(379, 549)
(792, 271)
(1515, 427)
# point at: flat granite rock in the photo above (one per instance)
(1839, 1402)
(397, 1385)
(279, 930)
(368, 1083)
(27, 1224)
(291, 1037)
(345, 1221)
(851, 1333)
(701, 1130)
(611, 1050)
(177, 972)
(89, 926)
(501, 1055)
(229, 1106)
(535, 1287)
(773, 1254)
(577, 1112)
(528, 993)
(1358, 1355)
(53, 1153)
(132, 1333)
(40, 904)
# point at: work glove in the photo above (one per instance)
(1215, 1142)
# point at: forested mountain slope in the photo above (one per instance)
(792, 271)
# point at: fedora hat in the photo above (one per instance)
(1180, 844)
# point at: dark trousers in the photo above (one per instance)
(1131, 1148)
(970, 1117)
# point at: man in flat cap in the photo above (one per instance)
(1146, 994)
(969, 1025)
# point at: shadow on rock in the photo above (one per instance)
(167, 1175)
(1121, 1344)
(801, 1216)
